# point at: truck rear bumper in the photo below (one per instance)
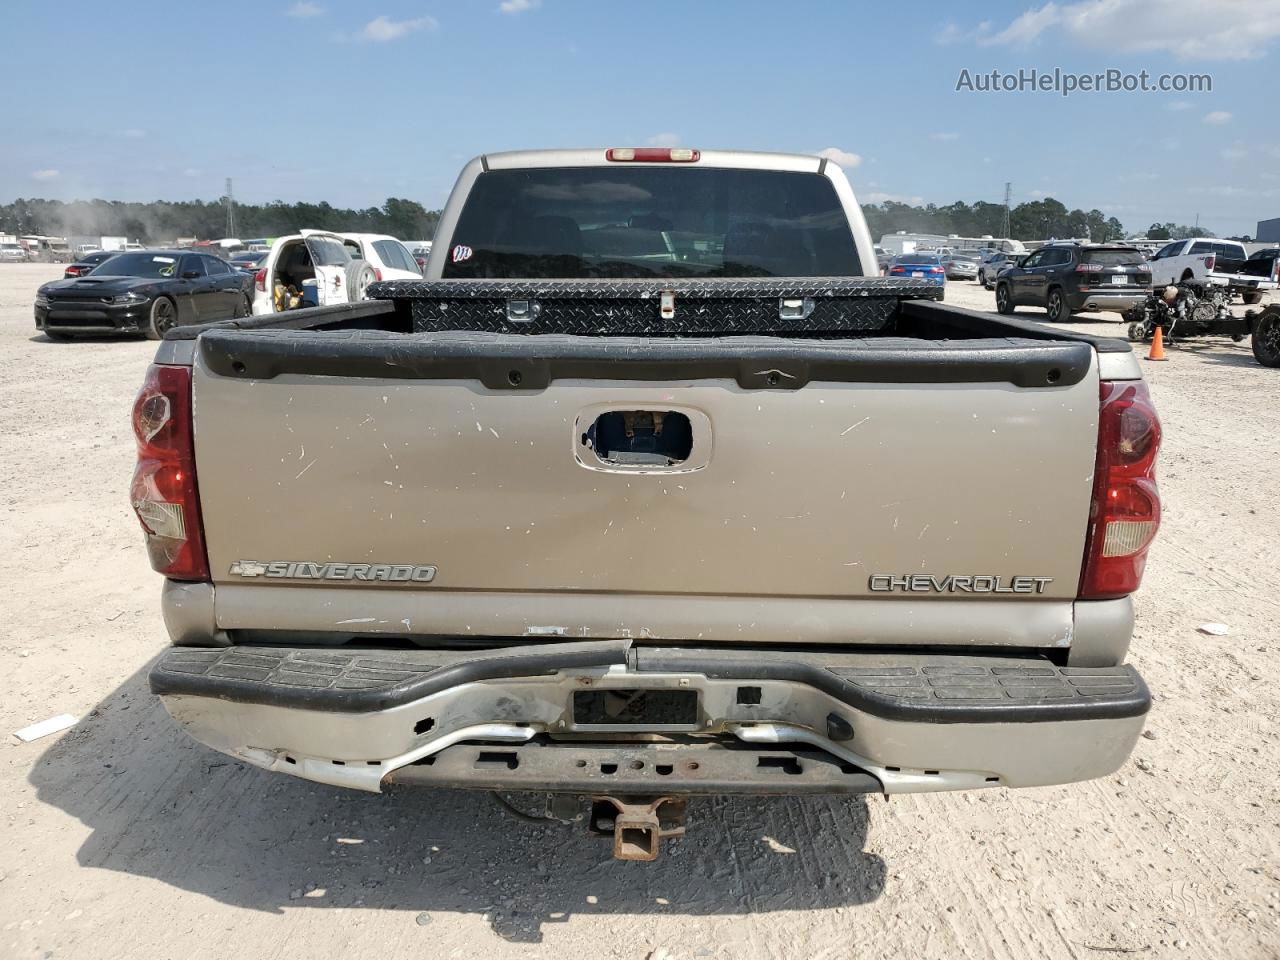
(609, 717)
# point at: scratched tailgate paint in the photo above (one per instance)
(805, 493)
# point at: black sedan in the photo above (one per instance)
(88, 263)
(148, 291)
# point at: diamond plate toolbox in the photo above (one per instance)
(656, 307)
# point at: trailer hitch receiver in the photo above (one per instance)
(638, 824)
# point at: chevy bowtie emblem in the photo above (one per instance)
(248, 568)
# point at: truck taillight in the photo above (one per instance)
(163, 492)
(260, 279)
(1125, 512)
(652, 155)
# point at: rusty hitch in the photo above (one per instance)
(638, 824)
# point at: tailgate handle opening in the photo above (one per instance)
(659, 438)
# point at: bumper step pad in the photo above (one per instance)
(319, 678)
(931, 687)
(913, 687)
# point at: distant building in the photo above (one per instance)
(1268, 231)
(903, 242)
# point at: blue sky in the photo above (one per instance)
(352, 102)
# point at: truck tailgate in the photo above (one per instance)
(826, 483)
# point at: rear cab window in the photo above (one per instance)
(1115, 257)
(635, 221)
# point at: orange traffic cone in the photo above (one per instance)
(1157, 346)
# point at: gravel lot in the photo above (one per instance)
(121, 838)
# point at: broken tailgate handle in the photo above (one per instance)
(795, 308)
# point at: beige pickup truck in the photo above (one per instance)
(650, 489)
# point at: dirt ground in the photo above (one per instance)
(121, 838)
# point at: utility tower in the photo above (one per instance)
(1008, 195)
(231, 210)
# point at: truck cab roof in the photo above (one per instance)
(599, 156)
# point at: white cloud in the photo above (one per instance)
(383, 29)
(1178, 105)
(133, 133)
(1218, 117)
(1028, 26)
(891, 198)
(1233, 153)
(944, 137)
(842, 157)
(518, 6)
(191, 172)
(303, 9)
(1188, 29)
(1040, 194)
(45, 174)
(953, 33)
(665, 140)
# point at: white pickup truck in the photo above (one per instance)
(652, 488)
(1208, 263)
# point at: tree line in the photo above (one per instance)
(161, 221)
(1034, 220)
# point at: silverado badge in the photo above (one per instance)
(363, 572)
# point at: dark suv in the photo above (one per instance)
(1068, 278)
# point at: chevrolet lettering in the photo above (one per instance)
(921, 583)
